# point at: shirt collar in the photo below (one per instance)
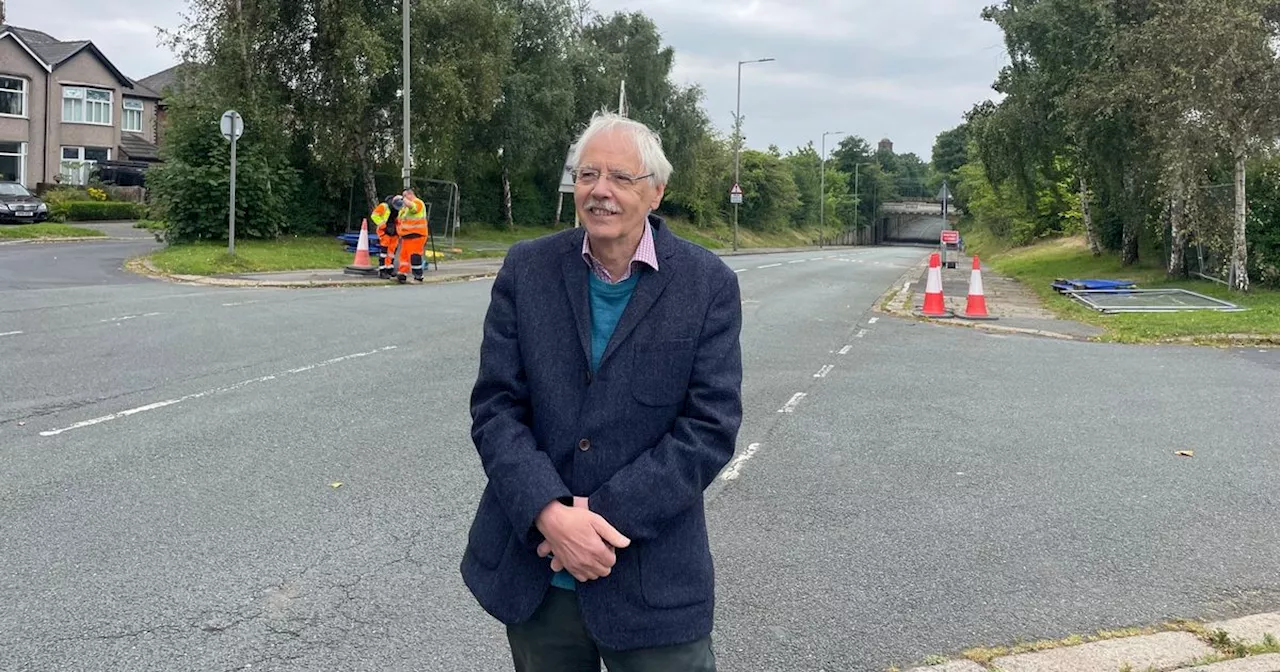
(645, 254)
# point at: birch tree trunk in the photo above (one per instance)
(1240, 251)
(1090, 234)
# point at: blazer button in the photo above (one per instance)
(584, 445)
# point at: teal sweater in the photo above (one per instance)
(607, 303)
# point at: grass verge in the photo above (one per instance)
(1039, 265)
(252, 256)
(46, 231)
(473, 241)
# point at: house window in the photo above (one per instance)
(13, 97)
(78, 163)
(131, 120)
(86, 106)
(13, 162)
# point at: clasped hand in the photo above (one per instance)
(579, 540)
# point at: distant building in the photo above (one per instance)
(886, 145)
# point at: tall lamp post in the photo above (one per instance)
(404, 46)
(737, 143)
(822, 190)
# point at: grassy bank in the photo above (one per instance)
(305, 253)
(1037, 266)
(46, 231)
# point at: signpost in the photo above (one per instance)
(735, 195)
(944, 195)
(950, 244)
(232, 127)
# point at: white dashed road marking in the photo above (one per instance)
(861, 333)
(11, 333)
(822, 373)
(216, 390)
(790, 406)
(735, 467)
(769, 266)
(845, 350)
(129, 317)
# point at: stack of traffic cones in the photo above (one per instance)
(362, 265)
(934, 303)
(976, 307)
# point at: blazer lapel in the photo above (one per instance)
(648, 289)
(575, 285)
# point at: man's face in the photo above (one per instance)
(612, 194)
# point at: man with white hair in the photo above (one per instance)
(609, 396)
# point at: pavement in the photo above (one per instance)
(210, 478)
(1012, 306)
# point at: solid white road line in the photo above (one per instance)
(822, 373)
(216, 390)
(735, 468)
(790, 406)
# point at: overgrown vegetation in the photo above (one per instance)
(1148, 127)
(499, 89)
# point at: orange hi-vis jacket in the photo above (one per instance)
(412, 219)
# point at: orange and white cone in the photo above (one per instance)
(362, 261)
(934, 303)
(976, 307)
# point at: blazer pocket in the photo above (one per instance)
(660, 373)
(676, 569)
(490, 532)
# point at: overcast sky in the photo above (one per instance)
(901, 69)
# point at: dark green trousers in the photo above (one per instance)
(556, 640)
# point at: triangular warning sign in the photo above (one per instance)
(736, 189)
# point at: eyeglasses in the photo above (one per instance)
(591, 176)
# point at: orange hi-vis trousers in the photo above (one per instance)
(412, 255)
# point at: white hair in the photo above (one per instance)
(647, 142)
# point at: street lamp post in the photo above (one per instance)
(822, 189)
(404, 46)
(737, 143)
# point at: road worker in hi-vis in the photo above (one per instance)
(412, 227)
(385, 217)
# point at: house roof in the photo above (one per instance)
(138, 148)
(164, 81)
(142, 91)
(53, 52)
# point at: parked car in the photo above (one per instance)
(20, 206)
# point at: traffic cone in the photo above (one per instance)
(362, 263)
(976, 307)
(934, 303)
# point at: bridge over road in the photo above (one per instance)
(911, 223)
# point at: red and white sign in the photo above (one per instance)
(950, 237)
(735, 194)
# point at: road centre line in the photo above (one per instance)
(769, 266)
(845, 350)
(129, 317)
(11, 333)
(798, 261)
(735, 467)
(740, 270)
(241, 303)
(217, 390)
(822, 373)
(790, 406)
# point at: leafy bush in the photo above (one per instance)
(97, 194)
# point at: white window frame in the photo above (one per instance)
(77, 170)
(26, 89)
(22, 162)
(81, 94)
(131, 107)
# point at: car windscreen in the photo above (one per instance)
(13, 189)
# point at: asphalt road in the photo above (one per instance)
(172, 459)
